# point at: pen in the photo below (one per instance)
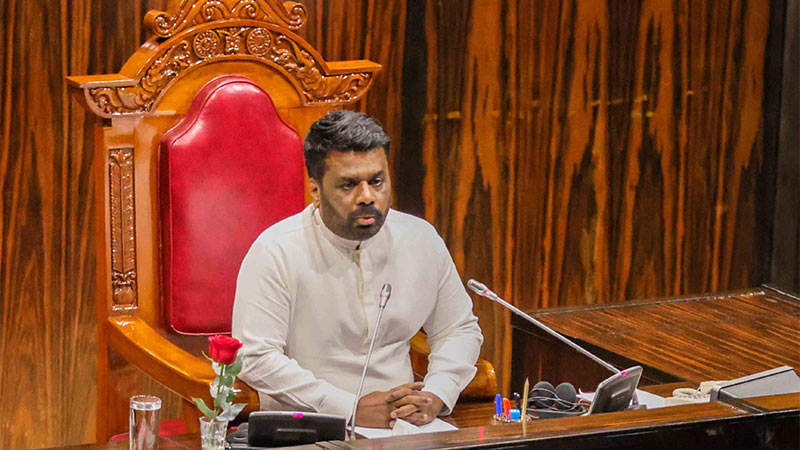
(525, 401)
(498, 404)
(517, 401)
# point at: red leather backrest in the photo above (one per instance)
(227, 171)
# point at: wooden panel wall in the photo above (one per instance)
(785, 262)
(580, 152)
(570, 152)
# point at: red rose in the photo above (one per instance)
(222, 349)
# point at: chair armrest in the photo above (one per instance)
(185, 374)
(483, 385)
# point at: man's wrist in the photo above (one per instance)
(445, 390)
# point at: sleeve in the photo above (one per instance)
(453, 335)
(261, 319)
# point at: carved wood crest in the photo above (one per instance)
(198, 32)
(189, 13)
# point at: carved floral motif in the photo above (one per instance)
(206, 44)
(123, 227)
(259, 42)
(194, 12)
(223, 42)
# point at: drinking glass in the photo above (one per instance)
(145, 415)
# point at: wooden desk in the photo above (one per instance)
(681, 341)
(704, 426)
(709, 337)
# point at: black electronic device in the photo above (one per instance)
(282, 428)
(616, 392)
(613, 394)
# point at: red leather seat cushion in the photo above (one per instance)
(227, 171)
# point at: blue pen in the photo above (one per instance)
(498, 405)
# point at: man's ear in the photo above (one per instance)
(314, 190)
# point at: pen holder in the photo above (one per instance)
(502, 418)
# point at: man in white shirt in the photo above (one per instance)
(308, 292)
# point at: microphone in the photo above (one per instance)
(386, 292)
(481, 289)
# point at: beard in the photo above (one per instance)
(349, 227)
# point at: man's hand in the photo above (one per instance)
(413, 405)
(374, 409)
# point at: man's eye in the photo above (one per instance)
(348, 186)
(377, 182)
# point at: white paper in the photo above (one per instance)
(652, 401)
(404, 427)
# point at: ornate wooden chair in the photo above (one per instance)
(198, 151)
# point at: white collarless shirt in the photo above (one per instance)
(306, 304)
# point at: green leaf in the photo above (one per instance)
(235, 367)
(226, 380)
(201, 405)
(232, 412)
(231, 395)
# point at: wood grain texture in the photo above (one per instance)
(569, 152)
(47, 319)
(586, 152)
(715, 337)
(696, 425)
(785, 261)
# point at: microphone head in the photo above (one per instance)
(477, 287)
(386, 292)
(542, 395)
(566, 395)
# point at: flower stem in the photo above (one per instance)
(219, 387)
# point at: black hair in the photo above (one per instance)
(341, 131)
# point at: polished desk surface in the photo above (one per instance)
(708, 337)
(476, 428)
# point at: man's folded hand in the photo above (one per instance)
(380, 409)
(413, 405)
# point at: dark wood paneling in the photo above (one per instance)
(570, 152)
(47, 325)
(584, 152)
(785, 264)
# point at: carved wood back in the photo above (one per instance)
(193, 42)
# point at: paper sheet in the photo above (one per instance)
(652, 401)
(402, 427)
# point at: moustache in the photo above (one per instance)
(365, 211)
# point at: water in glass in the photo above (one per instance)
(144, 422)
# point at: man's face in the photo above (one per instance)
(355, 193)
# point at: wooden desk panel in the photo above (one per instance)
(711, 337)
(777, 402)
(482, 433)
(703, 426)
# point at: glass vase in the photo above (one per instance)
(212, 433)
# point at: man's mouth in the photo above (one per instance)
(365, 220)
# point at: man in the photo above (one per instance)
(308, 292)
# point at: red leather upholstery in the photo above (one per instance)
(227, 171)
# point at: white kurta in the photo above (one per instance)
(306, 304)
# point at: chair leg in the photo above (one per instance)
(191, 416)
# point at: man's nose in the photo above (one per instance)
(365, 195)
